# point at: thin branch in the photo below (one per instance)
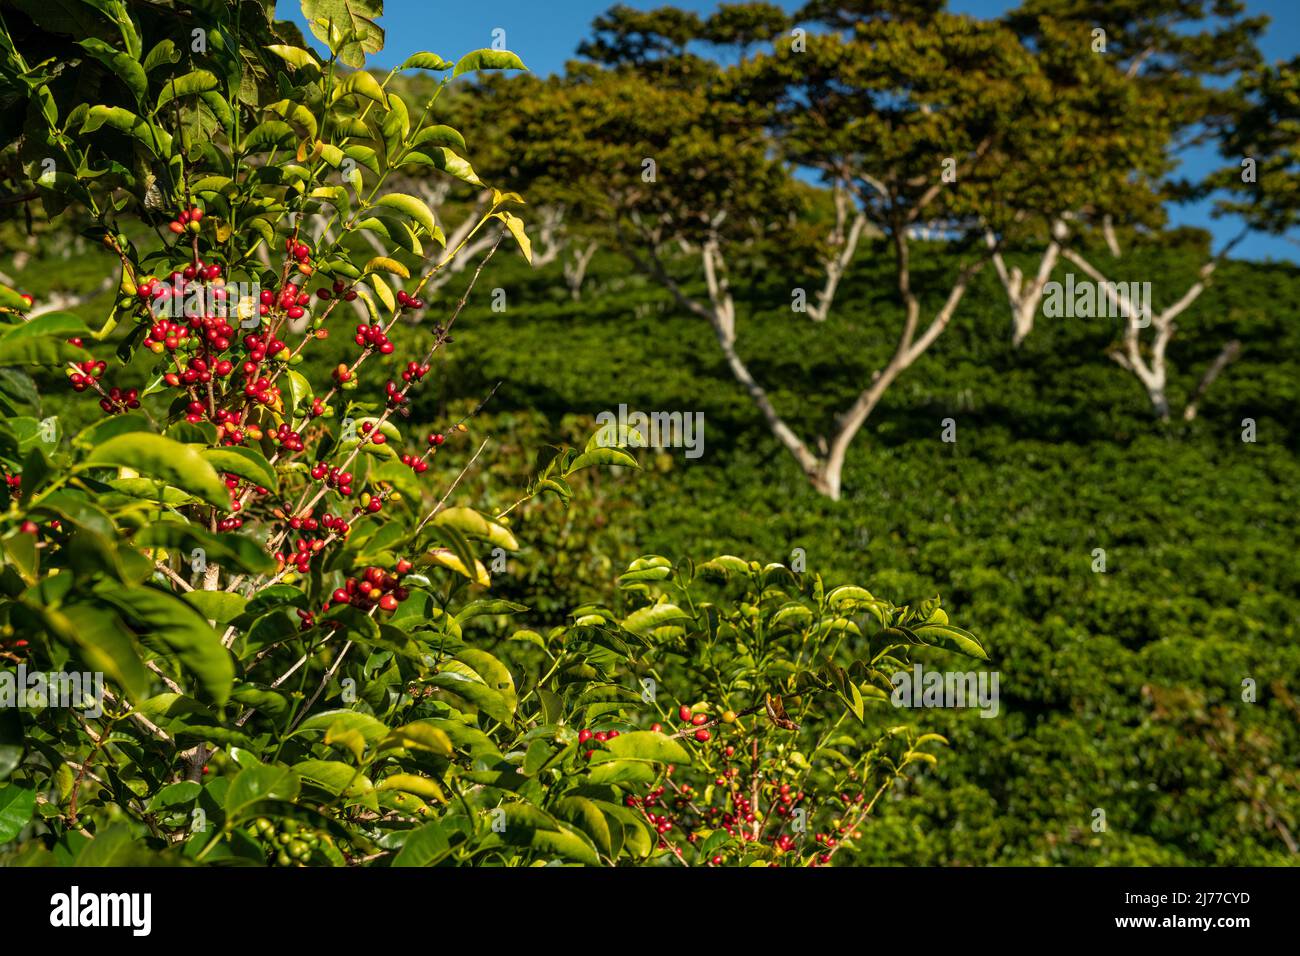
(176, 578)
(1231, 352)
(443, 500)
(325, 681)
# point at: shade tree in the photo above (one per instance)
(1108, 151)
(499, 109)
(1261, 186)
(921, 122)
(652, 42)
(1147, 78)
(744, 26)
(1261, 181)
(302, 661)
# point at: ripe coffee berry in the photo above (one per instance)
(187, 221)
(415, 371)
(373, 337)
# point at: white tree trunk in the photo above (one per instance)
(909, 349)
(1025, 300)
(471, 252)
(1108, 232)
(575, 268)
(824, 470)
(845, 245)
(1151, 369)
(550, 240)
(720, 313)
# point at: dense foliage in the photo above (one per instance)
(1121, 691)
(367, 592)
(304, 660)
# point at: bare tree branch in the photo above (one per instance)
(575, 268)
(1231, 352)
(1152, 372)
(59, 301)
(1024, 301)
(845, 245)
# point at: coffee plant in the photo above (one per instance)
(303, 662)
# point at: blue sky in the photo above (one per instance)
(545, 33)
